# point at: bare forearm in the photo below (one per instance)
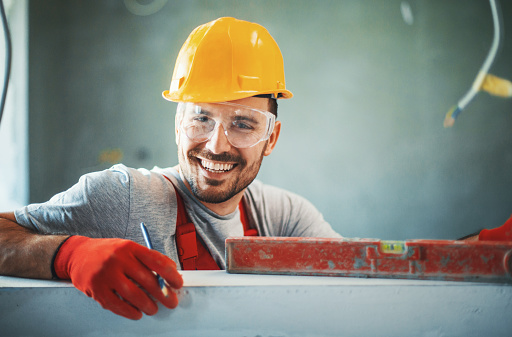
(24, 253)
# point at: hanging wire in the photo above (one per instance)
(8, 53)
(477, 84)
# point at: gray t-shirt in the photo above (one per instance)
(113, 203)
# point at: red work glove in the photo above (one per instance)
(502, 233)
(118, 274)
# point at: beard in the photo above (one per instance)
(217, 191)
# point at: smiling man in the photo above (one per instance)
(227, 79)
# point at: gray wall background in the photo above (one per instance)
(362, 138)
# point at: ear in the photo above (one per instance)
(272, 140)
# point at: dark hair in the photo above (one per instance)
(272, 103)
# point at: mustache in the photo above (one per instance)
(221, 157)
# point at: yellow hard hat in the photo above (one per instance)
(225, 60)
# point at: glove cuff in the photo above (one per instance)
(502, 233)
(63, 254)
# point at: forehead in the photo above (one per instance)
(256, 103)
(259, 103)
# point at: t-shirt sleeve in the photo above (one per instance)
(97, 206)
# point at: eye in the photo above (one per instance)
(201, 119)
(242, 125)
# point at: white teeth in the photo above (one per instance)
(216, 167)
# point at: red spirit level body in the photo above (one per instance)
(482, 261)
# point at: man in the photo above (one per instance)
(226, 80)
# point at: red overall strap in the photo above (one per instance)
(248, 231)
(194, 256)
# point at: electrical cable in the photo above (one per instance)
(482, 73)
(8, 53)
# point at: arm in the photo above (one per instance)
(103, 269)
(24, 253)
(116, 272)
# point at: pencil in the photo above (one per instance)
(147, 239)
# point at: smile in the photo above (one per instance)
(216, 167)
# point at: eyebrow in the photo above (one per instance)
(203, 111)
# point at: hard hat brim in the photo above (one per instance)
(283, 93)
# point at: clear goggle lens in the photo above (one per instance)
(243, 126)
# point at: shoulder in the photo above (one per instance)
(143, 195)
(120, 181)
(277, 203)
(274, 196)
(116, 175)
(127, 176)
(141, 180)
(283, 213)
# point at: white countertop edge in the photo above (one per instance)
(221, 279)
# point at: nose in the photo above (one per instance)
(218, 143)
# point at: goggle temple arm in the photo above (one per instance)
(271, 123)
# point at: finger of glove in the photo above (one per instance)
(131, 293)
(167, 297)
(148, 281)
(170, 300)
(145, 277)
(118, 306)
(162, 265)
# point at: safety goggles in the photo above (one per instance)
(243, 126)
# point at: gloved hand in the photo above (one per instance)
(502, 233)
(118, 274)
